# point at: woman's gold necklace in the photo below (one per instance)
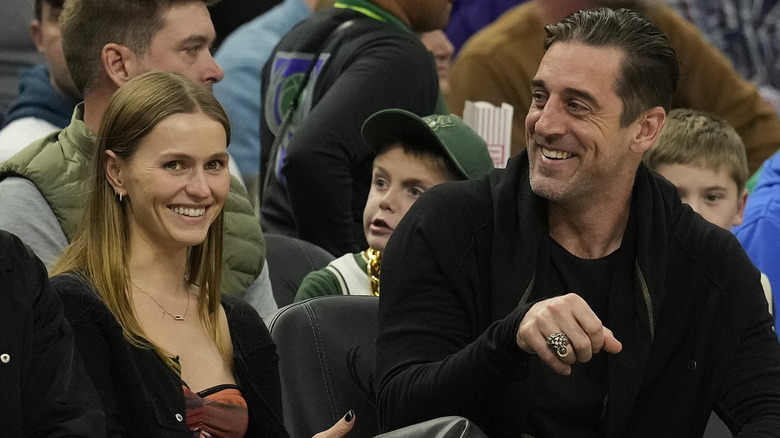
(177, 317)
(373, 265)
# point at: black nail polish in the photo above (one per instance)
(350, 415)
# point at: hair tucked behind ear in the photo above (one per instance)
(100, 250)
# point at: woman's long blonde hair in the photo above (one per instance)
(99, 252)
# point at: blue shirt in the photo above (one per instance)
(470, 16)
(242, 57)
(759, 232)
(38, 98)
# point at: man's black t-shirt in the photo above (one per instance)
(585, 389)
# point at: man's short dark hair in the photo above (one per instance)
(649, 71)
(88, 25)
(38, 6)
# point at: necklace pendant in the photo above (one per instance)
(373, 265)
(178, 317)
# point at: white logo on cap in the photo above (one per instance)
(441, 122)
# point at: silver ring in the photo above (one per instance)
(559, 343)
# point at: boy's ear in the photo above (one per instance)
(649, 125)
(741, 201)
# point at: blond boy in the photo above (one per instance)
(705, 159)
(413, 154)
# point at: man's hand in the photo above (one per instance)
(571, 315)
(341, 428)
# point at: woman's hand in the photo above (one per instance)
(341, 428)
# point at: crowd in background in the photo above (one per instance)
(116, 178)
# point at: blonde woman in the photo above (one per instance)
(169, 355)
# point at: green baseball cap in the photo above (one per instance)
(467, 150)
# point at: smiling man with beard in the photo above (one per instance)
(572, 294)
(498, 63)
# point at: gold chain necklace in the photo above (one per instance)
(373, 265)
(178, 317)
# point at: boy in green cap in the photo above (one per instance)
(413, 154)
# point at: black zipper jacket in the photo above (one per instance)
(141, 396)
(695, 329)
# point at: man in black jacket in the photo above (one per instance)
(367, 57)
(44, 391)
(572, 294)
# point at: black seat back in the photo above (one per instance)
(289, 260)
(327, 350)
